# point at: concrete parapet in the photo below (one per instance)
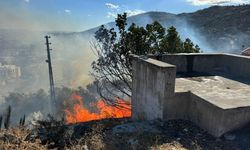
(153, 83)
(228, 64)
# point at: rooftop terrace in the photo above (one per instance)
(217, 90)
(212, 90)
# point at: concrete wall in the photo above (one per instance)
(236, 65)
(235, 118)
(228, 64)
(192, 62)
(188, 106)
(211, 118)
(153, 83)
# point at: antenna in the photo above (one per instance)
(51, 79)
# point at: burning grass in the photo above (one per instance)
(79, 113)
(103, 126)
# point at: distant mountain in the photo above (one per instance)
(217, 28)
(140, 20)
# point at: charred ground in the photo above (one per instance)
(119, 134)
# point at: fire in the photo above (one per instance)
(81, 114)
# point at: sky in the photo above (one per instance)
(80, 15)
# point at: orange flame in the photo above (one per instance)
(81, 114)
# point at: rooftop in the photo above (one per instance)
(222, 92)
(211, 90)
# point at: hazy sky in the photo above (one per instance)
(79, 15)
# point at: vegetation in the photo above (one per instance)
(100, 135)
(38, 102)
(22, 121)
(7, 118)
(113, 47)
(1, 121)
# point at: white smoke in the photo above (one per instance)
(188, 31)
(34, 117)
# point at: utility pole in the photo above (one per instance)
(52, 87)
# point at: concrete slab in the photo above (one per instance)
(222, 92)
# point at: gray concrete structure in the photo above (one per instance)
(214, 64)
(149, 80)
(212, 90)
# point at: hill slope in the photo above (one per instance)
(225, 26)
(217, 29)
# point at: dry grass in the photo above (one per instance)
(98, 135)
(97, 140)
(14, 139)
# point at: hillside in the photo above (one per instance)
(224, 26)
(215, 29)
(218, 19)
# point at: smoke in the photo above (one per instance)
(72, 60)
(224, 41)
(188, 31)
(184, 28)
(230, 43)
(34, 117)
(22, 43)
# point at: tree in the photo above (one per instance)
(172, 41)
(136, 40)
(112, 69)
(113, 66)
(155, 35)
(189, 47)
(1, 121)
(7, 118)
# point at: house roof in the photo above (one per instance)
(246, 52)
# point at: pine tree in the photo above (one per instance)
(173, 41)
(188, 46)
